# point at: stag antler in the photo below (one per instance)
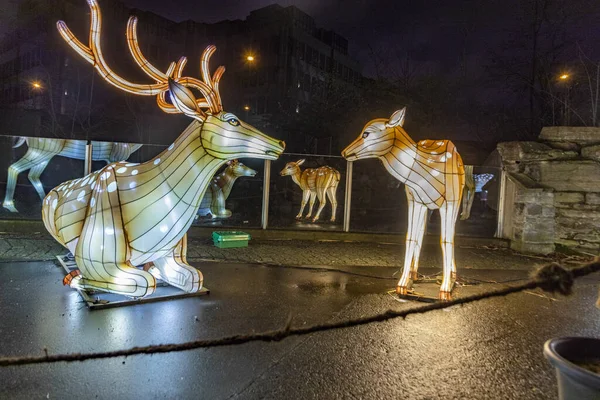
(183, 100)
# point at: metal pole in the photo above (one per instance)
(265, 200)
(501, 199)
(348, 196)
(87, 167)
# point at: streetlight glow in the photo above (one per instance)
(564, 76)
(37, 85)
(250, 58)
(247, 108)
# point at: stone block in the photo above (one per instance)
(548, 212)
(533, 209)
(568, 197)
(535, 248)
(580, 216)
(570, 176)
(592, 198)
(580, 245)
(591, 152)
(574, 134)
(532, 151)
(565, 146)
(535, 196)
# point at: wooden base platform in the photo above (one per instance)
(97, 300)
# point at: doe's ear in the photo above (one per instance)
(300, 162)
(397, 118)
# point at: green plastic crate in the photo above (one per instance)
(230, 239)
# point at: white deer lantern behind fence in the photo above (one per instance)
(213, 202)
(434, 175)
(41, 150)
(126, 214)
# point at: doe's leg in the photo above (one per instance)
(416, 221)
(448, 214)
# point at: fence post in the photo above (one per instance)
(87, 166)
(265, 199)
(501, 199)
(348, 196)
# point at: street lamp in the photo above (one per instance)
(247, 108)
(250, 58)
(567, 97)
(36, 85)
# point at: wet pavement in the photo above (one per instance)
(486, 350)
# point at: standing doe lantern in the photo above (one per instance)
(434, 175)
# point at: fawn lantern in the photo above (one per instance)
(434, 175)
(319, 182)
(128, 214)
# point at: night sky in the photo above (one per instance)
(480, 49)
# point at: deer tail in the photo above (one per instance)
(19, 142)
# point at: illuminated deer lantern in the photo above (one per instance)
(434, 175)
(41, 150)
(127, 214)
(319, 182)
(213, 202)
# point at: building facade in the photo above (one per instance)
(277, 61)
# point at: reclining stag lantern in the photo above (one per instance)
(434, 175)
(126, 214)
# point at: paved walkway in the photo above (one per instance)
(491, 349)
(40, 246)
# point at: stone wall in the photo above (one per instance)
(560, 171)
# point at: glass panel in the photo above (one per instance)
(483, 216)
(378, 199)
(286, 196)
(379, 202)
(55, 161)
(234, 198)
(26, 200)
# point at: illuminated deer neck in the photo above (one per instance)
(398, 161)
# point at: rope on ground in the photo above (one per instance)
(551, 278)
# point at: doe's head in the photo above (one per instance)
(376, 138)
(292, 168)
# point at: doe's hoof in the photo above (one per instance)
(401, 290)
(445, 296)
